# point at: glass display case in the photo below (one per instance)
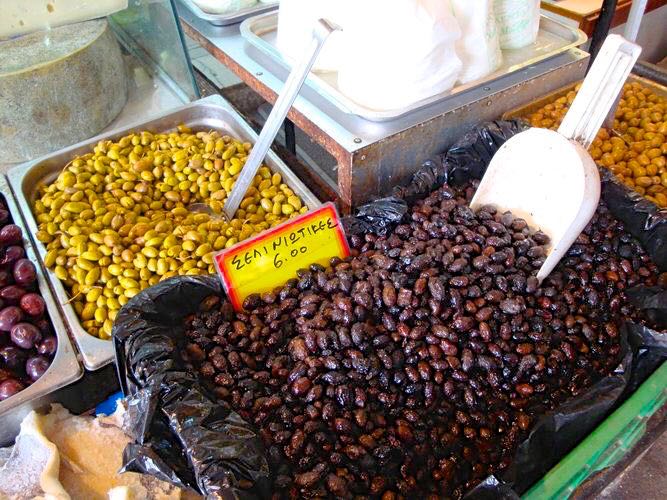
(62, 84)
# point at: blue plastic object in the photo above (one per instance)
(108, 406)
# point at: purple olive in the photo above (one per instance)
(12, 253)
(36, 366)
(43, 324)
(10, 387)
(9, 316)
(48, 346)
(32, 303)
(12, 294)
(24, 272)
(13, 357)
(25, 335)
(4, 216)
(10, 235)
(6, 278)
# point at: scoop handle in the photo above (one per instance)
(602, 85)
(293, 84)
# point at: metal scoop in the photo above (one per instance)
(548, 178)
(323, 29)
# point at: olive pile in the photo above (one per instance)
(639, 156)
(116, 220)
(27, 342)
(415, 367)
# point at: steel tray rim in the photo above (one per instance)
(253, 27)
(231, 18)
(96, 352)
(65, 367)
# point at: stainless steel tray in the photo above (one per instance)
(531, 107)
(65, 367)
(553, 38)
(211, 113)
(232, 17)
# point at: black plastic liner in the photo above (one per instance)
(182, 433)
(184, 436)
(466, 159)
(642, 218)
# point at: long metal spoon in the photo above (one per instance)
(323, 29)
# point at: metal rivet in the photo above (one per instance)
(259, 73)
(486, 88)
(363, 157)
(357, 140)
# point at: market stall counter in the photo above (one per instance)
(373, 156)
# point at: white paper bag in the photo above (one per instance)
(479, 47)
(399, 52)
(518, 22)
(296, 21)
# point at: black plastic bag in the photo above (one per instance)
(556, 432)
(377, 217)
(182, 433)
(470, 155)
(642, 218)
(467, 158)
(649, 345)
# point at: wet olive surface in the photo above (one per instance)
(416, 366)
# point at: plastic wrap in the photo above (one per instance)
(296, 21)
(181, 433)
(642, 218)
(397, 56)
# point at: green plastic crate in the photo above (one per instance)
(607, 444)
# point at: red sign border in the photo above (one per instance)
(220, 257)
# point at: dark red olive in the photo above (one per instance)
(10, 235)
(9, 316)
(10, 387)
(36, 366)
(11, 254)
(33, 304)
(25, 335)
(24, 272)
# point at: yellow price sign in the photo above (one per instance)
(270, 259)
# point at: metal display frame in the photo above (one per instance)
(374, 157)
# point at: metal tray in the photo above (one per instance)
(553, 38)
(65, 367)
(533, 106)
(211, 113)
(232, 17)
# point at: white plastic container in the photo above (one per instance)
(479, 47)
(518, 22)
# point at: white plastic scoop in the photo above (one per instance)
(548, 178)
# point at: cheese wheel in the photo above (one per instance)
(25, 16)
(58, 88)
